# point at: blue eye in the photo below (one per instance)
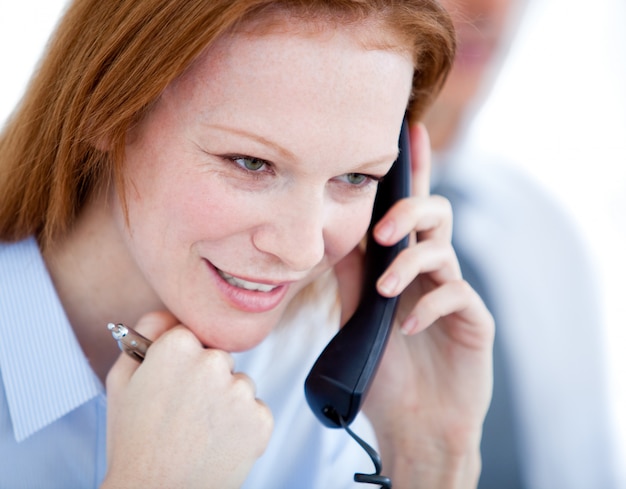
(249, 163)
(359, 179)
(356, 178)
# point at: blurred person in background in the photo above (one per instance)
(548, 425)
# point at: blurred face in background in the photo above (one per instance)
(484, 30)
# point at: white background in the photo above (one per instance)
(558, 111)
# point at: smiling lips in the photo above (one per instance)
(245, 284)
(246, 295)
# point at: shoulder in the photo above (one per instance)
(516, 227)
(510, 199)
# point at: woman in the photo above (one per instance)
(202, 172)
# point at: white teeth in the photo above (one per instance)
(244, 284)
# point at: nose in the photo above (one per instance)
(294, 231)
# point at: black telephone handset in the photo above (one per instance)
(340, 378)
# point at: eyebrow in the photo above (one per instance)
(285, 153)
(379, 161)
(259, 139)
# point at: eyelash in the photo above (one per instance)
(369, 179)
(236, 158)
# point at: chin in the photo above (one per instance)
(238, 337)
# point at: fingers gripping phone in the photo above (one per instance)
(341, 376)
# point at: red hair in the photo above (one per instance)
(109, 61)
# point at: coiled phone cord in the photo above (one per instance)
(375, 478)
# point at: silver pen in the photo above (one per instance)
(129, 341)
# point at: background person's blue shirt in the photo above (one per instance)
(52, 405)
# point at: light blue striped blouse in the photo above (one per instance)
(52, 405)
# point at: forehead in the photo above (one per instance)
(370, 32)
(287, 47)
(297, 86)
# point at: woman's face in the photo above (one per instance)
(256, 172)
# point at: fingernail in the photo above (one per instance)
(384, 232)
(388, 284)
(409, 325)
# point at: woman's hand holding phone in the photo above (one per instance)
(434, 381)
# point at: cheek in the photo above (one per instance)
(165, 188)
(170, 198)
(184, 213)
(347, 230)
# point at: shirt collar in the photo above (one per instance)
(44, 370)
